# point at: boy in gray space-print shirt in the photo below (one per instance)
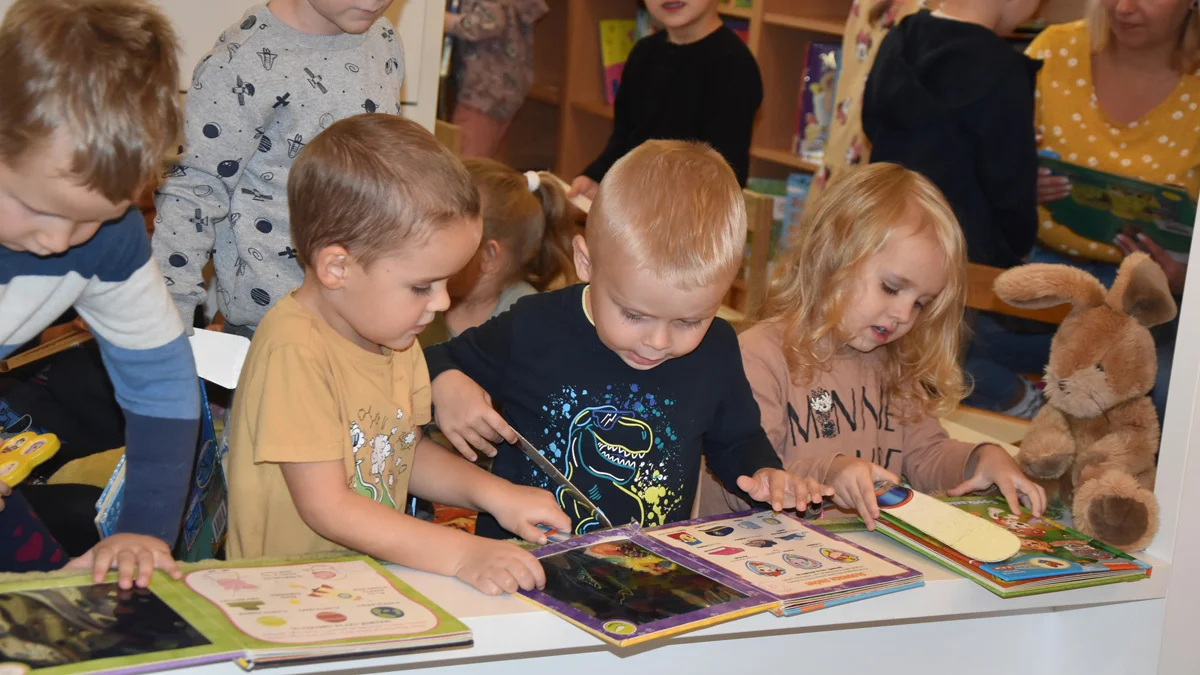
(263, 91)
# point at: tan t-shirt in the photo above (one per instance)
(307, 394)
(842, 412)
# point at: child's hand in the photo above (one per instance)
(463, 412)
(128, 553)
(582, 185)
(782, 490)
(520, 509)
(991, 465)
(1051, 188)
(5, 491)
(496, 567)
(853, 482)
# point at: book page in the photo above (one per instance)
(309, 603)
(777, 553)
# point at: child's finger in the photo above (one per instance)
(460, 444)
(505, 580)
(126, 565)
(522, 571)
(778, 486)
(500, 426)
(1010, 495)
(479, 443)
(145, 567)
(166, 562)
(866, 488)
(5, 490)
(487, 587)
(102, 563)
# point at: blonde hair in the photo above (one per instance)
(674, 208)
(533, 226)
(372, 182)
(104, 71)
(1187, 56)
(851, 221)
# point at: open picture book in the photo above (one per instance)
(1051, 557)
(255, 614)
(627, 585)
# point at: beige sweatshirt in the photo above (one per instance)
(843, 412)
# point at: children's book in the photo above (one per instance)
(1053, 557)
(255, 614)
(627, 585)
(822, 65)
(1102, 205)
(616, 41)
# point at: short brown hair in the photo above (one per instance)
(674, 208)
(371, 182)
(106, 72)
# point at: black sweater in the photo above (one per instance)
(954, 101)
(707, 90)
(630, 439)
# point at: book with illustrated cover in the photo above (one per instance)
(1102, 205)
(616, 42)
(818, 95)
(1052, 556)
(627, 585)
(257, 614)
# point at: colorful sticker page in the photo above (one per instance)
(780, 554)
(312, 602)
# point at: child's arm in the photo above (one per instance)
(729, 118)
(479, 20)
(737, 450)
(150, 363)
(935, 462)
(1007, 159)
(466, 373)
(219, 142)
(620, 141)
(319, 491)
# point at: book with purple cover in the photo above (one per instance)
(627, 585)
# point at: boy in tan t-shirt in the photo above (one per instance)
(326, 433)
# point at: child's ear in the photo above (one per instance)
(491, 255)
(331, 265)
(583, 259)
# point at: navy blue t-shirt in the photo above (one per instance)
(632, 440)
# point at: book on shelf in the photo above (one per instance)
(1053, 557)
(256, 614)
(627, 585)
(822, 65)
(1102, 205)
(616, 42)
(740, 27)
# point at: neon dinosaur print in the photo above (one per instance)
(605, 447)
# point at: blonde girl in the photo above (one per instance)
(526, 247)
(859, 351)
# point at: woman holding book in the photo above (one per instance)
(1119, 92)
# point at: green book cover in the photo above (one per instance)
(257, 613)
(1102, 205)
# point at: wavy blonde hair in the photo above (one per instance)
(852, 220)
(1187, 56)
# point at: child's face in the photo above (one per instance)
(349, 16)
(892, 287)
(680, 15)
(643, 319)
(43, 209)
(389, 303)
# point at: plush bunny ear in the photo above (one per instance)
(1038, 286)
(1141, 291)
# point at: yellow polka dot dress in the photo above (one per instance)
(1161, 147)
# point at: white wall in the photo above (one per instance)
(419, 23)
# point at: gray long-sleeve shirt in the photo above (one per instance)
(263, 91)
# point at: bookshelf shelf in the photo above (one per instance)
(594, 108)
(784, 158)
(545, 93)
(827, 26)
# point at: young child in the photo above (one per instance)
(88, 115)
(326, 436)
(951, 99)
(624, 383)
(695, 80)
(526, 245)
(495, 67)
(273, 80)
(862, 349)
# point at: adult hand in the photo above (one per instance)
(1176, 271)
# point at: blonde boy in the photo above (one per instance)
(88, 113)
(626, 381)
(326, 437)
